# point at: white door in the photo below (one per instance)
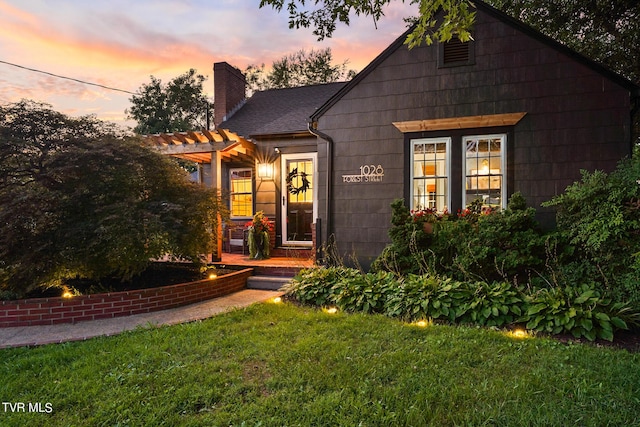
(299, 198)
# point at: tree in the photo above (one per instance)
(180, 105)
(301, 68)
(605, 31)
(78, 198)
(458, 17)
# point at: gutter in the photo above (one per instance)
(311, 126)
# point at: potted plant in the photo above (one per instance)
(424, 219)
(258, 236)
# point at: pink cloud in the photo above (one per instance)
(120, 44)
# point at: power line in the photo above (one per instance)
(67, 78)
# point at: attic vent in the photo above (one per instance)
(455, 51)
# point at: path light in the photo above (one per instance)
(277, 300)
(332, 310)
(518, 333)
(211, 273)
(421, 323)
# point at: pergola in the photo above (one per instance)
(206, 147)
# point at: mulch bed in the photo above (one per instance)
(156, 275)
(625, 340)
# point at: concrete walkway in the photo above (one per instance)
(53, 334)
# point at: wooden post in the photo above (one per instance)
(216, 182)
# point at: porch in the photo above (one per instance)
(286, 263)
(253, 179)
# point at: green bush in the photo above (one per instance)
(365, 293)
(493, 304)
(468, 246)
(401, 255)
(78, 197)
(582, 311)
(600, 218)
(422, 297)
(315, 286)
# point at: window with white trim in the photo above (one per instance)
(484, 169)
(241, 185)
(430, 167)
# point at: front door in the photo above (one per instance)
(299, 207)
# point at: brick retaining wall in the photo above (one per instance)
(49, 311)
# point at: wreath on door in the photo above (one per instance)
(303, 177)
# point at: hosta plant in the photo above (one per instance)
(581, 311)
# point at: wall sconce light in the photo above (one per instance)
(265, 171)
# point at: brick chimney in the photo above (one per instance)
(229, 87)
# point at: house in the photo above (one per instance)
(260, 146)
(440, 126)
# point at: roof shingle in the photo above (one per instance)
(280, 111)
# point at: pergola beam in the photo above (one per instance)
(200, 145)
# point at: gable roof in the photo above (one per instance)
(280, 111)
(633, 88)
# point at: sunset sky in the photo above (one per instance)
(121, 43)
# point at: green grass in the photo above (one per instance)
(282, 365)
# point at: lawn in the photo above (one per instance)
(282, 365)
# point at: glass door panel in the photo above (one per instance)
(298, 199)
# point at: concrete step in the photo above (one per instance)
(272, 283)
(276, 271)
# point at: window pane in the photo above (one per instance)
(484, 169)
(430, 174)
(304, 172)
(241, 193)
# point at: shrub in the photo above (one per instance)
(406, 235)
(600, 218)
(493, 304)
(77, 197)
(315, 286)
(365, 293)
(581, 311)
(501, 245)
(421, 297)
(471, 245)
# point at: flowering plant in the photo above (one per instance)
(429, 215)
(260, 223)
(259, 236)
(475, 210)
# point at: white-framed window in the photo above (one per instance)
(430, 168)
(241, 186)
(484, 168)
